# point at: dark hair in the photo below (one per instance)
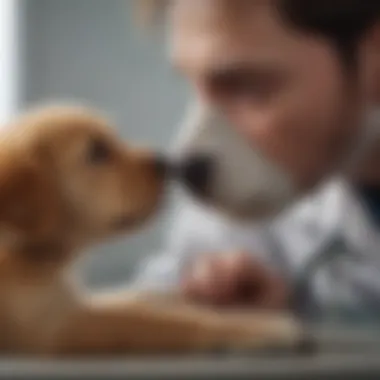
(342, 22)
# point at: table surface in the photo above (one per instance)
(337, 366)
(345, 354)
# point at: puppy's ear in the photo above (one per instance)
(28, 200)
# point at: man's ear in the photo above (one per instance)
(28, 200)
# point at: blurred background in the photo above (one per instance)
(91, 51)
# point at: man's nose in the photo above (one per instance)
(195, 172)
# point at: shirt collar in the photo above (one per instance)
(349, 221)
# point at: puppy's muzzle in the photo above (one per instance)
(162, 166)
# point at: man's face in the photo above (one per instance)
(285, 91)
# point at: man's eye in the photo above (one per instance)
(240, 86)
(99, 152)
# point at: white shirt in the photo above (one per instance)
(347, 285)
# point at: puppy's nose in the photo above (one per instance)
(161, 165)
(195, 173)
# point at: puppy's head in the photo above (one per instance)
(65, 174)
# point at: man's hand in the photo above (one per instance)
(234, 279)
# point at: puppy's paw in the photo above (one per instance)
(259, 333)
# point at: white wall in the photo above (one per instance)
(90, 49)
(9, 59)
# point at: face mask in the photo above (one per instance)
(222, 169)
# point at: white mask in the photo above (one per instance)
(242, 182)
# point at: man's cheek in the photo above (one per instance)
(276, 133)
(294, 143)
(255, 124)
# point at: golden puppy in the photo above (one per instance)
(67, 182)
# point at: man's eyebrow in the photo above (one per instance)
(243, 68)
(228, 67)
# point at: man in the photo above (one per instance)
(300, 82)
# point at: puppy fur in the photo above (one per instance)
(67, 182)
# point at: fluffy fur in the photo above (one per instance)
(66, 183)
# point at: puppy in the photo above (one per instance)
(66, 183)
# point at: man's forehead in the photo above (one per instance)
(201, 39)
(228, 9)
(211, 35)
(231, 11)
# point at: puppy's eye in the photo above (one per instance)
(99, 152)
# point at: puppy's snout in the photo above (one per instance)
(195, 172)
(161, 165)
